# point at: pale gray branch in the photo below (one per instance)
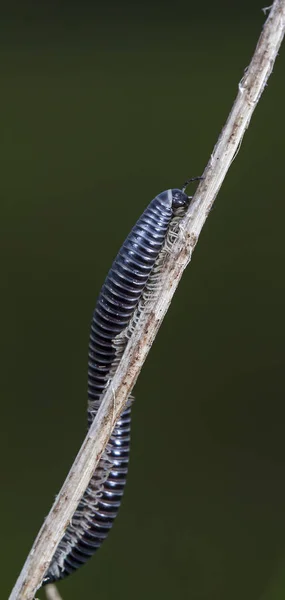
(249, 92)
(52, 592)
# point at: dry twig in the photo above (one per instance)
(52, 592)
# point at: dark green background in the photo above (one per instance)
(102, 108)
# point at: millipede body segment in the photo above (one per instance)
(119, 297)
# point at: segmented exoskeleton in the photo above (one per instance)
(124, 287)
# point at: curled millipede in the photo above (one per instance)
(131, 280)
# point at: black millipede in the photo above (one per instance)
(123, 289)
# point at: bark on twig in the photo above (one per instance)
(52, 592)
(249, 92)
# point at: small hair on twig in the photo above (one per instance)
(266, 9)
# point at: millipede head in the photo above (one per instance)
(179, 198)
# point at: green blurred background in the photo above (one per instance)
(102, 108)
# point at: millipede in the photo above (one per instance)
(131, 279)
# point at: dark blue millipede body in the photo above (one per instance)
(118, 299)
